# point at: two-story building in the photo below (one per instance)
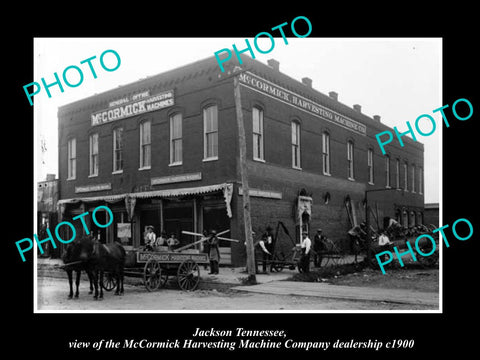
(163, 151)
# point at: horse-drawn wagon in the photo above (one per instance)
(160, 265)
(157, 265)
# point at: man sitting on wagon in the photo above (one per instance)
(172, 241)
(149, 237)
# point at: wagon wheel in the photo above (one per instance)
(109, 282)
(152, 275)
(188, 275)
(277, 263)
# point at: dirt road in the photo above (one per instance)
(52, 296)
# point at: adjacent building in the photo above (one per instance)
(163, 151)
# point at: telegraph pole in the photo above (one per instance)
(244, 176)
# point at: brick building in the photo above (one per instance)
(163, 151)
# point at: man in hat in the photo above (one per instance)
(319, 247)
(149, 237)
(304, 263)
(214, 252)
(267, 246)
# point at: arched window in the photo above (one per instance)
(93, 155)
(350, 160)
(387, 171)
(117, 149)
(370, 165)
(296, 145)
(145, 145)
(326, 153)
(257, 130)
(210, 131)
(176, 139)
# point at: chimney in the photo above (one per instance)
(333, 95)
(307, 82)
(376, 118)
(274, 64)
(357, 107)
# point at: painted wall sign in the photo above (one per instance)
(134, 106)
(176, 178)
(97, 187)
(256, 83)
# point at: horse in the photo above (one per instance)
(111, 258)
(75, 260)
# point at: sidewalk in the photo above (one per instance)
(361, 293)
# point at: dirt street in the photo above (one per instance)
(52, 295)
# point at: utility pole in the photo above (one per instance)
(244, 176)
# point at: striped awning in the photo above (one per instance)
(179, 192)
(226, 188)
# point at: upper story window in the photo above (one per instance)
(118, 149)
(257, 129)
(296, 145)
(72, 159)
(387, 171)
(397, 174)
(370, 165)
(413, 178)
(93, 155)
(350, 160)
(420, 181)
(176, 139)
(326, 153)
(405, 174)
(145, 145)
(210, 131)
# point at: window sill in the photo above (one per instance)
(117, 172)
(371, 183)
(175, 164)
(210, 159)
(144, 168)
(297, 168)
(351, 179)
(259, 160)
(92, 175)
(72, 178)
(327, 174)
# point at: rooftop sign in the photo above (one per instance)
(135, 105)
(264, 86)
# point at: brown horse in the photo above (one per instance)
(111, 258)
(73, 260)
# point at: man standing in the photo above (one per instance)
(266, 244)
(214, 252)
(304, 264)
(319, 247)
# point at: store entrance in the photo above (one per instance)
(178, 217)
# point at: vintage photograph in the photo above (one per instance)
(164, 184)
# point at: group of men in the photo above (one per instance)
(266, 245)
(210, 239)
(152, 241)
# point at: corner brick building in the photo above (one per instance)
(163, 151)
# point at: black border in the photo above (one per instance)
(433, 333)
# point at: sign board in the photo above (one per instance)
(135, 105)
(124, 230)
(169, 257)
(268, 88)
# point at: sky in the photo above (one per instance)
(398, 79)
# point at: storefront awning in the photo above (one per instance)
(226, 188)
